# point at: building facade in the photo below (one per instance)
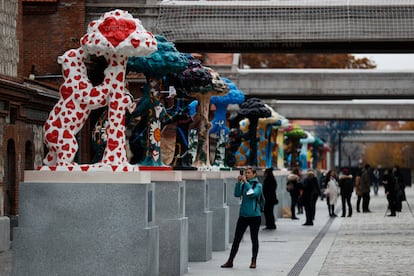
(33, 34)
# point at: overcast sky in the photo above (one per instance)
(391, 61)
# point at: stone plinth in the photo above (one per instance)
(282, 194)
(173, 225)
(234, 206)
(218, 204)
(4, 234)
(200, 218)
(101, 226)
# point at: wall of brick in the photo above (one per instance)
(9, 43)
(49, 29)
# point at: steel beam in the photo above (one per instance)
(345, 110)
(380, 27)
(308, 84)
(380, 136)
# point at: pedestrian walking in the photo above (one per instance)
(249, 189)
(399, 186)
(269, 193)
(325, 193)
(346, 186)
(366, 188)
(293, 186)
(358, 191)
(391, 190)
(375, 180)
(332, 192)
(310, 196)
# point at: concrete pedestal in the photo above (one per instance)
(173, 225)
(234, 206)
(4, 234)
(200, 218)
(218, 204)
(282, 194)
(105, 227)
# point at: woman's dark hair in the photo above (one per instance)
(328, 177)
(296, 171)
(269, 177)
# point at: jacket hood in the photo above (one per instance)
(292, 177)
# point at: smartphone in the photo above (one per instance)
(241, 172)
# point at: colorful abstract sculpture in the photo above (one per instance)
(203, 94)
(201, 83)
(182, 113)
(252, 109)
(166, 60)
(292, 144)
(284, 126)
(116, 36)
(304, 152)
(219, 127)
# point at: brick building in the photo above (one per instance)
(33, 34)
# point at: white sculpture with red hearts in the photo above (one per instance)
(115, 36)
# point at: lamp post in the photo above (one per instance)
(339, 149)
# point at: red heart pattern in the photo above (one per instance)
(116, 30)
(79, 97)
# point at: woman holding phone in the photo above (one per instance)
(249, 189)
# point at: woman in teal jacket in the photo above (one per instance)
(249, 189)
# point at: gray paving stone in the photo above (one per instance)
(366, 244)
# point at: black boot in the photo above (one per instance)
(333, 211)
(228, 264)
(253, 263)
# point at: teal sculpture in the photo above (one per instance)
(165, 60)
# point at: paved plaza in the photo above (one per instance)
(365, 244)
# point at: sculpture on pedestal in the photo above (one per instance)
(252, 109)
(219, 128)
(201, 83)
(292, 144)
(303, 155)
(280, 140)
(182, 113)
(155, 66)
(115, 36)
(203, 94)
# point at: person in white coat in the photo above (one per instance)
(332, 192)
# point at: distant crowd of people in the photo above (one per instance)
(304, 191)
(332, 187)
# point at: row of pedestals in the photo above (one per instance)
(131, 223)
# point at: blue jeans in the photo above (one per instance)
(375, 185)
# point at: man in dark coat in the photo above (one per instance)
(347, 187)
(399, 188)
(310, 195)
(366, 188)
(391, 191)
(269, 193)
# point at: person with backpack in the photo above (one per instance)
(249, 189)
